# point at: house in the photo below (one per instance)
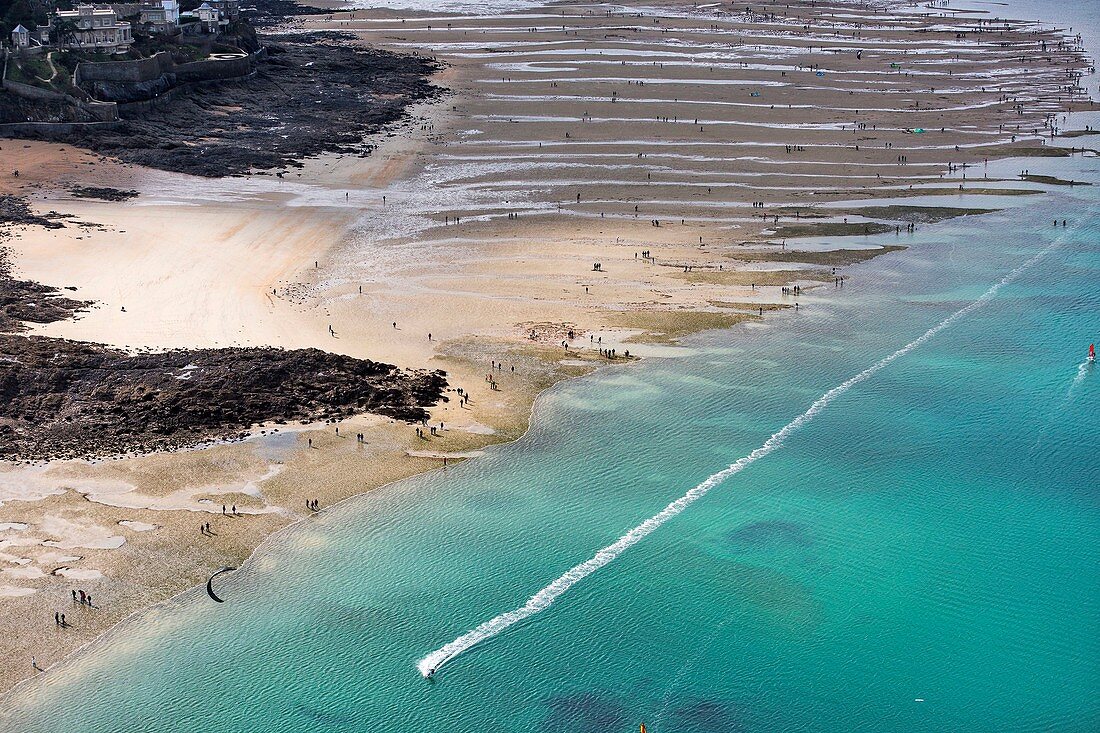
(210, 18)
(164, 16)
(20, 37)
(96, 28)
(229, 9)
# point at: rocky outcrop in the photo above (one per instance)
(66, 399)
(24, 301)
(103, 193)
(305, 99)
(14, 210)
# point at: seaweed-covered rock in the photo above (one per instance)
(67, 399)
(312, 94)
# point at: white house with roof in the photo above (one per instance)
(210, 18)
(20, 37)
(97, 28)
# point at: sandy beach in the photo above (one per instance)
(592, 180)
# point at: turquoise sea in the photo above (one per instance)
(918, 555)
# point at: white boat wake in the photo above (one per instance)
(542, 600)
(1082, 372)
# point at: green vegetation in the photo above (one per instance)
(916, 214)
(146, 45)
(831, 229)
(27, 13)
(1034, 151)
(753, 277)
(665, 327)
(978, 191)
(748, 305)
(43, 71)
(1078, 133)
(29, 70)
(1052, 180)
(828, 258)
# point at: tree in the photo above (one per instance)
(62, 31)
(20, 12)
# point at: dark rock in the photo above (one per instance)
(306, 98)
(102, 193)
(69, 399)
(23, 301)
(15, 210)
(62, 398)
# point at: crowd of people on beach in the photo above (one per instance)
(80, 597)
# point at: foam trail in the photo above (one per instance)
(431, 663)
(1082, 372)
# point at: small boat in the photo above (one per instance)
(642, 726)
(1092, 352)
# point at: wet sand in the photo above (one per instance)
(571, 136)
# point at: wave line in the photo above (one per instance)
(541, 600)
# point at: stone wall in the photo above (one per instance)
(134, 87)
(135, 71)
(146, 70)
(212, 69)
(89, 110)
(29, 91)
(139, 85)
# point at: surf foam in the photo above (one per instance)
(1082, 372)
(542, 600)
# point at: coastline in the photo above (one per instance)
(464, 359)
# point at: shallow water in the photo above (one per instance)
(930, 535)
